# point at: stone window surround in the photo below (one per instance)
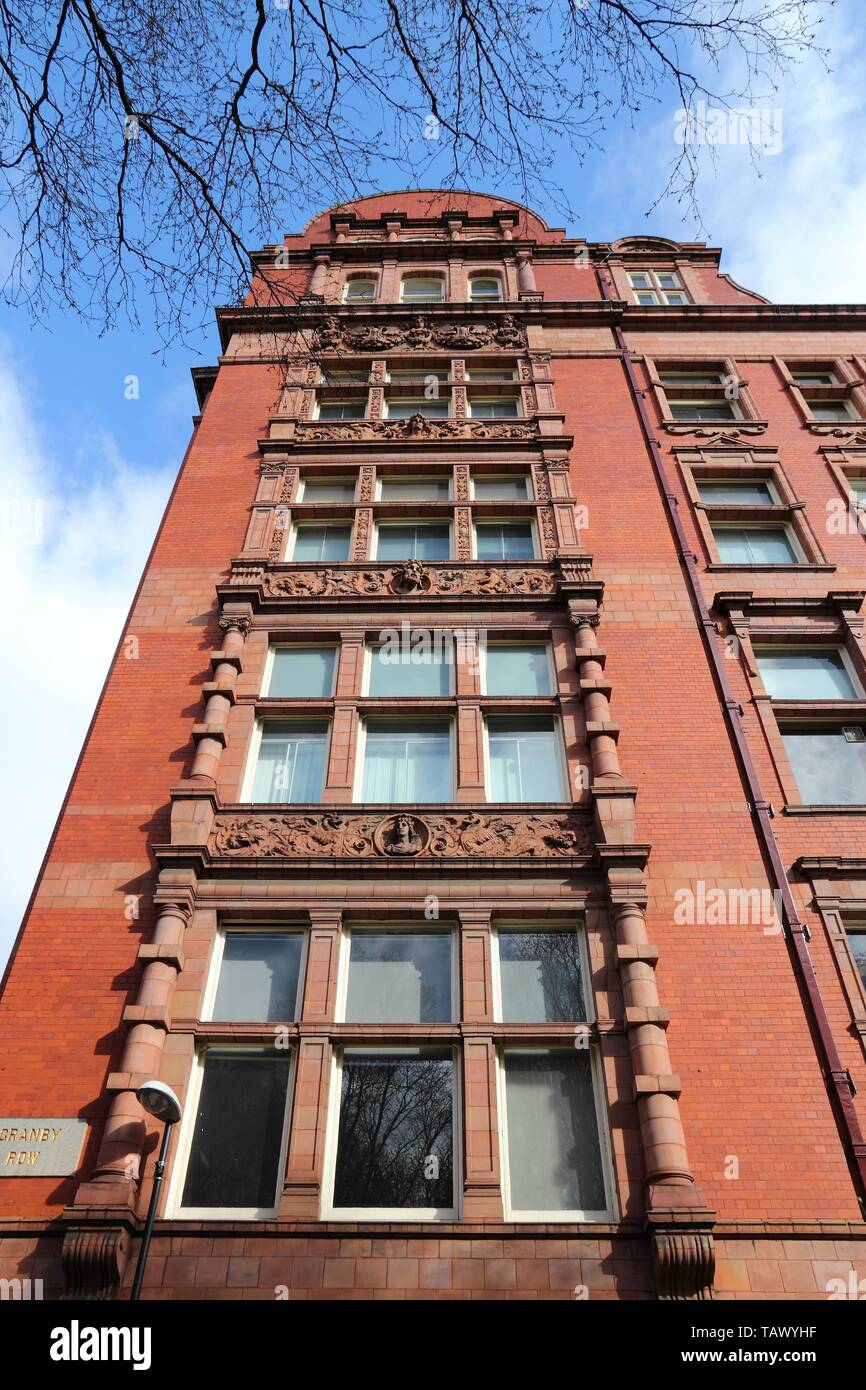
(761, 462)
(845, 463)
(304, 404)
(551, 505)
(839, 895)
(465, 708)
(513, 271)
(851, 376)
(747, 412)
(787, 622)
(475, 1036)
(621, 267)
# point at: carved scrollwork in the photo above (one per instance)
(331, 834)
(410, 579)
(418, 426)
(336, 334)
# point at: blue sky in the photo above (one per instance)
(792, 225)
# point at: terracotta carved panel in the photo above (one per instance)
(412, 580)
(336, 334)
(404, 835)
(416, 427)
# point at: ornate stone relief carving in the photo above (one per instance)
(366, 483)
(412, 578)
(402, 835)
(335, 334)
(416, 427)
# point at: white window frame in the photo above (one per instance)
(274, 647)
(500, 396)
(504, 521)
(518, 642)
(411, 928)
(775, 648)
(415, 478)
(362, 280)
(576, 928)
(655, 287)
(361, 751)
(250, 928)
(561, 760)
(305, 482)
(524, 477)
(173, 1206)
(367, 672)
(296, 526)
(490, 376)
(793, 540)
(486, 298)
(329, 1212)
(249, 776)
(850, 412)
(404, 280)
(411, 521)
(339, 419)
(599, 1093)
(736, 414)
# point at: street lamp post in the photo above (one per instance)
(160, 1101)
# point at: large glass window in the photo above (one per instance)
(524, 759)
(412, 489)
(518, 668)
(407, 760)
(702, 410)
(482, 289)
(754, 545)
(291, 762)
(395, 1143)
(410, 669)
(431, 407)
(829, 764)
(259, 975)
(804, 673)
(237, 1141)
(317, 544)
(856, 934)
(494, 407)
(552, 1137)
(504, 540)
(830, 410)
(399, 977)
(500, 487)
(342, 410)
(303, 673)
(328, 490)
(540, 977)
(413, 541)
(422, 289)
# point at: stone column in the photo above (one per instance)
(210, 735)
(525, 273)
(319, 277)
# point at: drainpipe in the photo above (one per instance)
(837, 1078)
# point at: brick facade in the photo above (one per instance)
(730, 1052)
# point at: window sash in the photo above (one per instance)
(315, 543)
(413, 541)
(493, 290)
(359, 291)
(414, 489)
(423, 671)
(703, 410)
(431, 407)
(342, 410)
(395, 975)
(504, 540)
(302, 672)
(803, 673)
(828, 770)
(328, 490)
(494, 407)
(518, 668)
(422, 290)
(540, 975)
(524, 759)
(407, 761)
(290, 765)
(259, 977)
(719, 492)
(757, 545)
(501, 488)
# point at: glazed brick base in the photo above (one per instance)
(337, 1264)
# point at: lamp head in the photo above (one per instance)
(160, 1101)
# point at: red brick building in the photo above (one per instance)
(472, 828)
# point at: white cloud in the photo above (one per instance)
(65, 601)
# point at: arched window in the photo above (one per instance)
(359, 291)
(422, 289)
(485, 289)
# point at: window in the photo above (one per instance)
(703, 410)
(524, 758)
(858, 488)
(552, 1145)
(493, 407)
(259, 977)
(482, 289)
(291, 762)
(490, 374)
(421, 289)
(518, 668)
(399, 976)
(755, 545)
(328, 490)
(733, 492)
(856, 935)
(431, 407)
(304, 673)
(830, 410)
(414, 489)
(540, 976)
(237, 1150)
(829, 763)
(342, 410)
(395, 1142)
(419, 376)
(675, 378)
(413, 541)
(657, 287)
(501, 487)
(804, 673)
(805, 379)
(359, 291)
(407, 760)
(411, 670)
(316, 543)
(504, 540)
(353, 376)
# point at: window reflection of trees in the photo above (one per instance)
(560, 976)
